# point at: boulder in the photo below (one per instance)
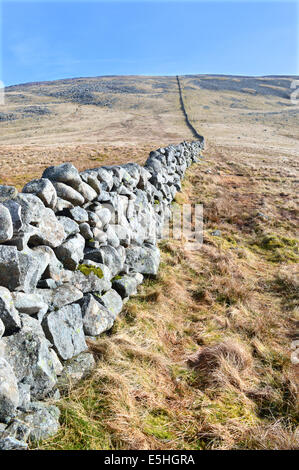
(9, 267)
(10, 443)
(125, 286)
(70, 226)
(15, 214)
(143, 259)
(31, 304)
(40, 419)
(96, 317)
(86, 231)
(64, 329)
(89, 279)
(44, 189)
(6, 225)
(8, 313)
(78, 214)
(64, 173)
(106, 255)
(9, 393)
(87, 191)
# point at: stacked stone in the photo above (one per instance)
(73, 248)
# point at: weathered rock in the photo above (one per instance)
(15, 213)
(76, 369)
(70, 226)
(78, 214)
(87, 191)
(143, 259)
(89, 279)
(62, 204)
(64, 173)
(41, 421)
(104, 214)
(71, 252)
(125, 286)
(7, 193)
(65, 294)
(9, 267)
(108, 256)
(96, 317)
(49, 231)
(112, 238)
(32, 264)
(64, 329)
(2, 328)
(9, 393)
(32, 208)
(6, 226)
(86, 231)
(10, 443)
(68, 194)
(99, 235)
(28, 353)
(31, 304)
(8, 313)
(90, 178)
(44, 189)
(54, 267)
(112, 301)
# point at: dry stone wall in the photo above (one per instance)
(73, 248)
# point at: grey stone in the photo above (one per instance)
(64, 329)
(87, 191)
(10, 443)
(49, 230)
(62, 204)
(18, 429)
(41, 419)
(126, 286)
(71, 252)
(28, 353)
(76, 369)
(90, 178)
(15, 213)
(2, 328)
(31, 304)
(99, 235)
(104, 214)
(64, 173)
(44, 189)
(112, 301)
(78, 214)
(70, 226)
(32, 264)
(143, 259)
(96, 317)
(32, 208)
(68, 194)
(7, 193)
(54, 266)
(91, 282)
(9, 267)
(106, 255)
(112, 238)
(65, 294)
(6, 226)
(85, 231)
(9, 393)
(8, 313)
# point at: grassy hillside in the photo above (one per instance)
(200, 358)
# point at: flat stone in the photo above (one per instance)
(31, 304)
(68, 194)
(64, 329)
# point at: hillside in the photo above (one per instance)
(200, 357)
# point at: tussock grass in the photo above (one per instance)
(200, 357)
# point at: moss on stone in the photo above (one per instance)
(86, 270)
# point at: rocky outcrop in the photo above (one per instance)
(73, 248)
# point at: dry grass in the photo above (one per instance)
(200, 358)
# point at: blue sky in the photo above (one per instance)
(62, 39)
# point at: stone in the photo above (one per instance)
(70, 226)
(143, 259)
(96, 317)
(112, 301)
(104, 270)
(10, 443)
(28, 353)
(89, 279)
(78, 214)
(104, 214)
(15, 214)
(9, 393)
(24, 392)
(68, 194)
(106, 255)
(64, 329)
(2, 328)
(6, 226)
(41, 420)
(99, 235)
(31, 304)
(71, 252)
(90, 178)
(65, 294)
(62, 204)
(86, 231)
(112, 238)
(7, 193)
(49, 230)
(76, 369)
(87, 191)
(8, 313)
(32, 264)
(32, 208)
(9, 267)
(126, 286)
(123, 234)
(64, 173)
(44, 189)
(54, 267)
